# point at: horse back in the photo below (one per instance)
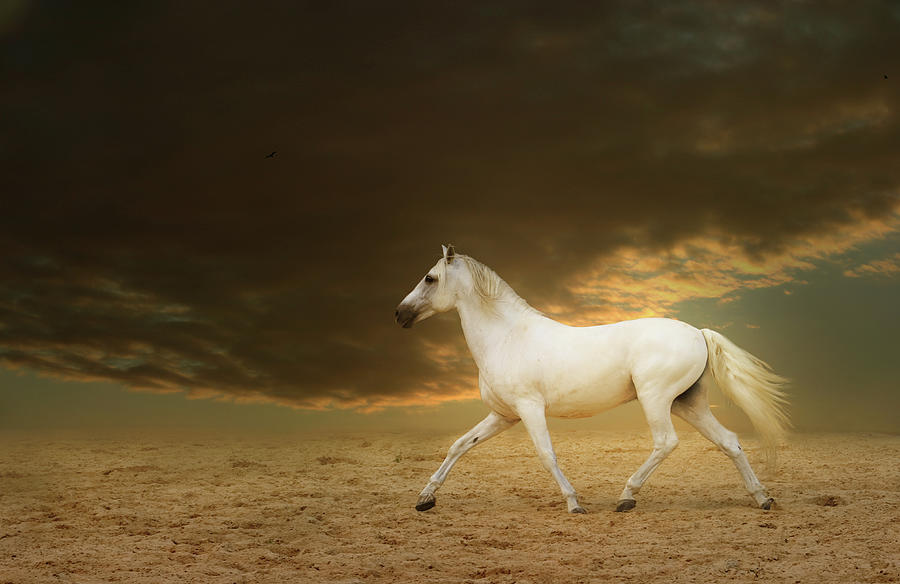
(581, 371)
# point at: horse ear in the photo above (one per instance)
(449, 252)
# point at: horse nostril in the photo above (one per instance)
(396, 314)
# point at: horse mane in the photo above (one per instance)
(489, 286)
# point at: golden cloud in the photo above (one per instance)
(886, 267)
(630, 283)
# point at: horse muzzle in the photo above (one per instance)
(405, 316)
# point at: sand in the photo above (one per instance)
(340, 509)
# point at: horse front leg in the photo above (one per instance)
(535, 421)
(492, 425)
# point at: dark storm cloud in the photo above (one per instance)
(145, 238)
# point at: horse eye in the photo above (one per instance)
(429, 279)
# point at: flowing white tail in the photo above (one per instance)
(752, 385)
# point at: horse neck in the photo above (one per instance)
(486, 324)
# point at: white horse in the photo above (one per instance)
(531, 367)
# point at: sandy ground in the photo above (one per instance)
(341, 510)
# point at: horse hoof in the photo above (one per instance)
(578, 510)
(625, 505)
(425, 503)
(767, 504)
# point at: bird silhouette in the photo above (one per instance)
(272, 155)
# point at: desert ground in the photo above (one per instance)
(340, 509)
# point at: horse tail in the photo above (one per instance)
(751, 384)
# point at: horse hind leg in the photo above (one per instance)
(693, 408)
(665, 440)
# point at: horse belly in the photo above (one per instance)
(588, 390)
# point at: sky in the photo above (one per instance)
(732, 166)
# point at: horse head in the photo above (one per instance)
(436, 291)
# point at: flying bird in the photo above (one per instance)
(272, 155)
